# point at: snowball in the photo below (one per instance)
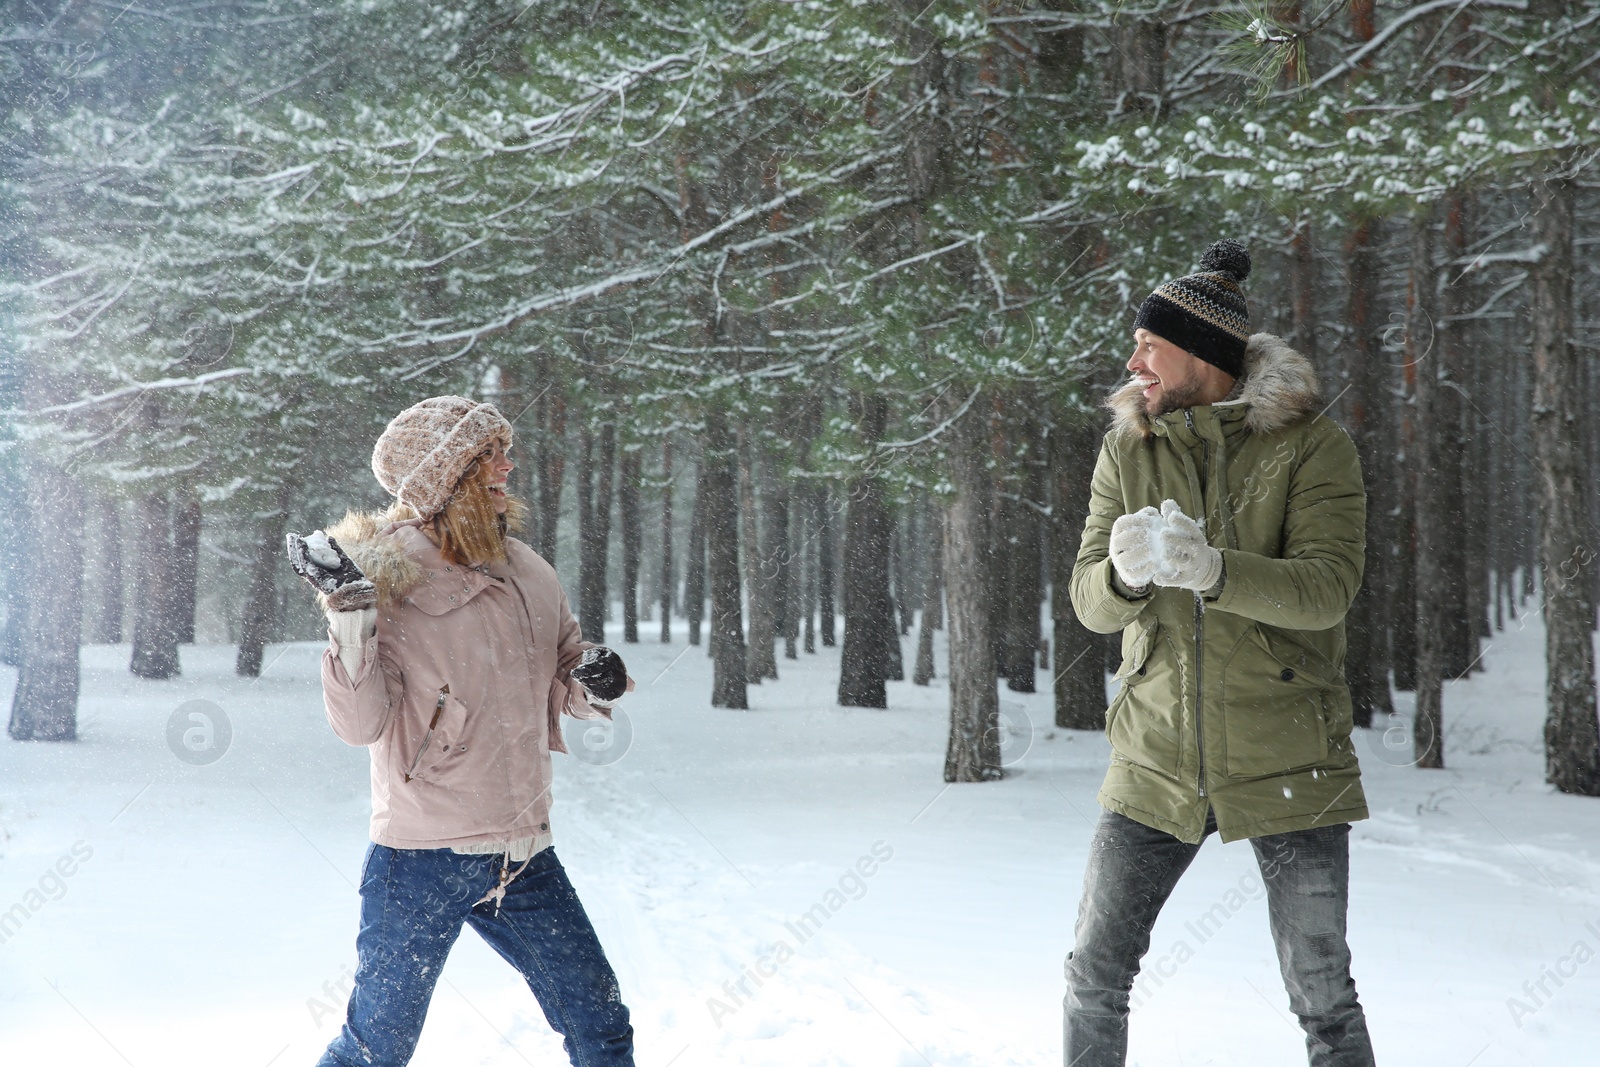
(321, 553)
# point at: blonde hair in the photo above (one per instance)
(468, 530)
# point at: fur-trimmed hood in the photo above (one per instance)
(1279, 389)
(368, 539)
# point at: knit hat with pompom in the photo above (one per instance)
(426, 449)
(1205, 314)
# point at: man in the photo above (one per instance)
(1224, 539)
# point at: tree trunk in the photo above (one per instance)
(809, 497)
(1433, 489)
(13, 547)
(932, 595)
(512, 399)
(759, 577)
(1026, 560)
(1303, 290)
(1455, 469)
(694, 567)
(1002, 542)
(1477, 479)
(1141, 49)
(789, 565)
(1366, 659)
(1571, 734)
(594, 529)
(868, 615)
(667, 580)
(1522, 503)
(628, 512)
(1591, 459)
(550, 456)
(155, 626)
(896, 620)
(721, 518)
(1080, 677)
(185, 564)
(900, 595)
(973, 752)
(44, 706)
(107, 627)
(826, 578)
(261, 607)
(1400, 566)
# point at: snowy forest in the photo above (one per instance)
(804, 313)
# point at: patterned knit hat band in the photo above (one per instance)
(1205, 314)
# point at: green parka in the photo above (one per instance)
(1238, 701)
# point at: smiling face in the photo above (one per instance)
(499, 468)
(473, 526)
(1172, 378)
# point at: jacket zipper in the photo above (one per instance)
(1199, 660)
(1199, 632)
(438, 709)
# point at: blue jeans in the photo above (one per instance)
(413, 905)
(1132, 871)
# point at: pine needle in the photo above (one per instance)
(1262, 48)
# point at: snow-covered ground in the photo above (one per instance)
(176, 914)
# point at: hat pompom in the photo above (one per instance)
(1227, 257)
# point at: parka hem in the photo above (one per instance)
(1236, 831)
(1150, 819)
(1291, 823)
(541, 840)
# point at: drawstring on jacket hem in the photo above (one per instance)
(507, 876)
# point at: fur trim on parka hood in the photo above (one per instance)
(1279, 389)
(367, 538)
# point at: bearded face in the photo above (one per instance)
(1171, 378)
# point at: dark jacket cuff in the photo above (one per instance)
(1125, 591)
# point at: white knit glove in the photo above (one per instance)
(1186, 560)
(1135, 548)
(352, 630)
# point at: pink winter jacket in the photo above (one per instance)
(483, 660)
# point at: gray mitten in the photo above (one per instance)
(319, 560)
(601, 673)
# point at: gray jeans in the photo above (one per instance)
(1133, 869)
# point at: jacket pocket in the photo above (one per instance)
(1274, 709)
(440, 751)
(1145, 723)
(1137, 642)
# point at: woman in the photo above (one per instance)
(452, 656)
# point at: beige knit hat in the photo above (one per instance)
(424, 451)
